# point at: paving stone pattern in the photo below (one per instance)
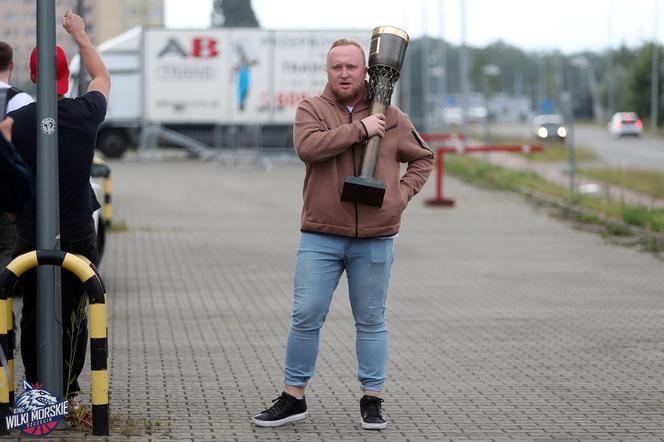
(504, 323)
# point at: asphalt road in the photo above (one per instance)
(646, 152)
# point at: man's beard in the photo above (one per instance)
(346, 95)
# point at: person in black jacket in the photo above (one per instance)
(17, 183)
(78, 121)
(11, 98)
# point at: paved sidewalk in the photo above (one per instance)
(504, 323)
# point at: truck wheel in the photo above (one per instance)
(112, 143)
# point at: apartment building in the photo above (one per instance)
(104, 18)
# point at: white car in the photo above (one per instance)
(475, 114)
(100, 171)
(625, 124)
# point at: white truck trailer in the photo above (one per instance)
(224, 87)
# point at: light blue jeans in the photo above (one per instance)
(321, 259)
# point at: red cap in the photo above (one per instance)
(62, 69)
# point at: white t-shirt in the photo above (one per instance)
(19, 100)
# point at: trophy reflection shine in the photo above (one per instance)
(386, 55)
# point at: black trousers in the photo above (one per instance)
(7, 237)
(79, 239)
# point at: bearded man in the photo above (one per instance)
(329, 136)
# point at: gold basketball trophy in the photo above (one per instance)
(388, 49)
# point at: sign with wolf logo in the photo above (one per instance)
(36, 411)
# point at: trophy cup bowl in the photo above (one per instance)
(386, 55)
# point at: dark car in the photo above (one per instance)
(552, 126)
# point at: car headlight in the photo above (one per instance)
(542, 132)
(562, 132)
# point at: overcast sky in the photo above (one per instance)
(568, 25)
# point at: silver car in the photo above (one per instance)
(625, 124)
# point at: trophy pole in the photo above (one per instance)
(373, 145)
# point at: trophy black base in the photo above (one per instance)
(361, 190)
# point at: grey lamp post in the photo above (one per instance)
(49, 313)
(488, 71)
(582, 63)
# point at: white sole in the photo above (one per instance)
(368, 426)
(280, 422)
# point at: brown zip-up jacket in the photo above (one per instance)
(330, 140)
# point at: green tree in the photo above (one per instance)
(540, 75)
(518, 70)
(233, 14)
(610, 68)
(638, 84)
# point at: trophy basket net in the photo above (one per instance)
(382, 79)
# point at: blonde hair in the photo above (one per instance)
(348, 42)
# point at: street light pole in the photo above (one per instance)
(81, 73)
(443, 65)
(654, 96)
(463, 74)
(424, 67)
(611, 68)
(571, 150)
(49, 311)
(488, 71)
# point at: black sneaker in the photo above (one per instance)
(285, 409)
(372, 416)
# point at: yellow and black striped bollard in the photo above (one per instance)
(101, 170)
(88, 275)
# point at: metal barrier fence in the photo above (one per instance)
(449, 144)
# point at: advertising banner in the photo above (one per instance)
(234, 76)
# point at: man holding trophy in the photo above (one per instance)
(352, 142)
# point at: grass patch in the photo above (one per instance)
(135, 427)
(635, 215)
(118, 226)
(81, 420)
(493, 177)
(617, 230)
(557, 151)
(648, 182)
(649, 218)
(647, 129)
